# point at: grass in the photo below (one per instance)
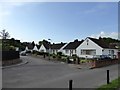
(112, 86)
(84, 60)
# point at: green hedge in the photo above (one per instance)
(9, 55)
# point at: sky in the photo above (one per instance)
(59, 21)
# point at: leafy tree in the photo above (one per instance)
(4, 34)
(44, 41)
(33, 43)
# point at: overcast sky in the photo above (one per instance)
(59, 21)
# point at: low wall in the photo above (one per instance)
(101, 63)
(11, 62)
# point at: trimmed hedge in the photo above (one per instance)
(9, 55)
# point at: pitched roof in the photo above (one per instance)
(101, 42)
(38, 46)
(30, 46)
(57, 46)
(73, 45)
(114, 45)
(47, 45)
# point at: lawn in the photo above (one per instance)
(84, 60)
(112, 86)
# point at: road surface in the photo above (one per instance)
(40, 73)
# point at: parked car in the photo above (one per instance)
(102, 57)
(23, 53)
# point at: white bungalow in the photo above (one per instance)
(92, 47)
(44, 48)
(72, 48)
(35, 48)
(57, 47)
(29, 48)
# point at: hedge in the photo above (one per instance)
(9, 55)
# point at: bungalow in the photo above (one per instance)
(29, 47)
(95, 47)
(44, 47)
(72, 48)
(36, 47)
(57, 47)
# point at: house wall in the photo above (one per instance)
(108, 52)
(54, 51)
(69, 52)
(35, 48)
(42, 48)
(90, 45)
(26, 48)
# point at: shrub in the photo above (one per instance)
(59, 53)
(53, 55)
(35, 52)
(40, 53)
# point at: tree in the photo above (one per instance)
(33, 43)
(4, 34)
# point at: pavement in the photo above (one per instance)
(39, 73)
(15, 65)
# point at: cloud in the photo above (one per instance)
(104, 34)
(96, 8)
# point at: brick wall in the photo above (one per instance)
(101, 63)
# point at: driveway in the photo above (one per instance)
(40, 73)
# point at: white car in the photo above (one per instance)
(23, 53)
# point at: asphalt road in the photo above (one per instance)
(47, 74)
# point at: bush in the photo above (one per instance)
(59, 57)
(42, 53)
(53, 55)
(35, 52)
(59, 53)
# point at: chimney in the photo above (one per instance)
(76, 40)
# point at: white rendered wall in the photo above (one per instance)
(91, 46)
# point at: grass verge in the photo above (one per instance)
(114, 85)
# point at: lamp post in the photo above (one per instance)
(49, 48)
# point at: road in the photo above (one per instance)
(40, 73)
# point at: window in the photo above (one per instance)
(66, 51)
(42, 50)
(87, 52)
(87, 41)
(81, 52)
(75, 51)
(94, 52)
(71, 51)
(112, 51)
